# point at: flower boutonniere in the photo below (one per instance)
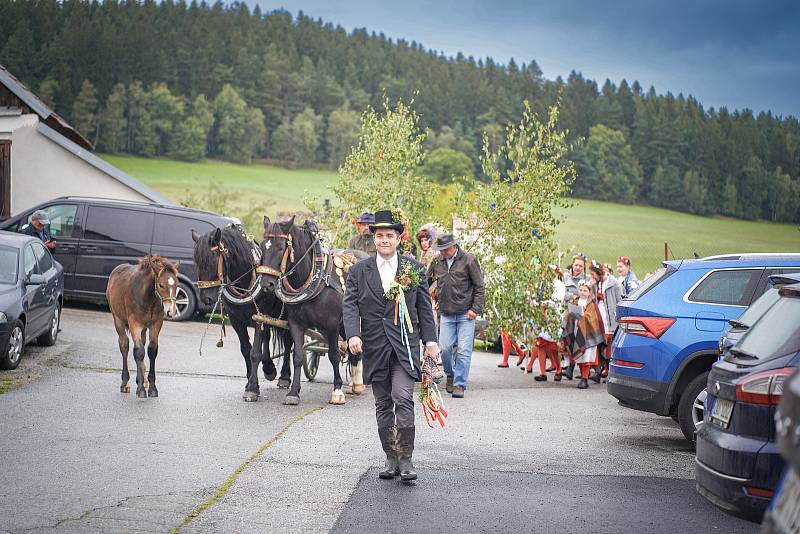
(407, 278)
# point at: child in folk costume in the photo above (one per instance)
(507, 343)
(587, 332)
(609, 293)
(546, 346)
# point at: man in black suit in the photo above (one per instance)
(389, 348)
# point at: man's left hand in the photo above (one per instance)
(51, 244)
(433, 352)
(471, 315)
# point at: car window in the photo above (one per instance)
(733, 287)
(776, 334)
(651, 281)
(118, 224)
(757, 308)
(43, 258)
(62, 220)
(176, 231)
(29, 264)
(9, 259)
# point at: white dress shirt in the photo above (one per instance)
(387, 270)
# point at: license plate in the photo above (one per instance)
(786, 510)
(721, 414)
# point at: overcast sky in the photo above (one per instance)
(734, 53)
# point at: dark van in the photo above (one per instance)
(95, 235)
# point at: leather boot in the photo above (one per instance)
(388, 437)
(449, 384)
(568, 371)
(405, 451)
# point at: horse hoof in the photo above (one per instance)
(152, 392)
(141, 394)
(291, 400)
(125, 389)
(337, 398)
(271, 375)
(250, 396)
(355, 389)
(284, 383)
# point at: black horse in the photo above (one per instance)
(226, 261)
(306, 279)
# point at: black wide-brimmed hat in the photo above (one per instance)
(385, 219)
(444, 241)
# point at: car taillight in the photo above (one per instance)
(646, 326)
(765, 387)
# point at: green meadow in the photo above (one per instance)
(602, 230)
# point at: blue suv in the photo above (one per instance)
(671, 326)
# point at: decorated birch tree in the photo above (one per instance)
(380, 172)
(514, 222)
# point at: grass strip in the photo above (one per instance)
(228, 484)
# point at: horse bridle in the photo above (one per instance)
(221, 251)
(155, 289)
(232, 293)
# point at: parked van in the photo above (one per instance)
(94, 235)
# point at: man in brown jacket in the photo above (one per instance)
(460, 295)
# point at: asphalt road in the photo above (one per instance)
(76, 455)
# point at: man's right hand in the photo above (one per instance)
(355, 345)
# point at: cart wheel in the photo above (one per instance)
(311, 364)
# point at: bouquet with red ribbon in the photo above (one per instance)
(429, 395)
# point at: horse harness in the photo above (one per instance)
(155, 289)
(324, 265)
(232, 293)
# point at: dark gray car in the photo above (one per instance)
(31, 295)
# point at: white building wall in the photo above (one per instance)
(42, 170)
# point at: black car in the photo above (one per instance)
(31, 294)
(738, 465)
(741, 324)
(783, 516)
(95, 235)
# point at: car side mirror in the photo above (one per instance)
(36, 280)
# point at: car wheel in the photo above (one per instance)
(13, 352)
(186, 303)
(48, 339)
(691, 408)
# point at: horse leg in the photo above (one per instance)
(298, 334)
(286, 370)
(267, 364)
(337, 397)
(146, 383)
(138, 356)
(356, 378)
(251, 391)
(124, 345)
(152, 353)
(244, 341)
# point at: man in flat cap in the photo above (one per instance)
(386, 312)
(363, 240)
(38, 228)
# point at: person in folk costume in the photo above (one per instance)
(425, 237)
(576, 274)
(387, 312)
(548, 348)
(507, 343)
(363, 239)
(626, 278)
(586, 331)
(609, 293)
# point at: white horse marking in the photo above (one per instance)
(171, 281)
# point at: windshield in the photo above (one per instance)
(9, 260)
(776, 334)
(757, 309)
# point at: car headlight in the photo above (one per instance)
(3, 318)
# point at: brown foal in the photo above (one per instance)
(139, 297)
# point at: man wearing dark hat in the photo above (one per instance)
(363, 241)
(38, 228)
(386, 330)
(460, 296)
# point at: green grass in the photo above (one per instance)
(279, 189)
(602, 230)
